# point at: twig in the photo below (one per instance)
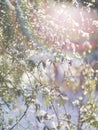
(20, 118)
(55, 111)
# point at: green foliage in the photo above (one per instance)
(37, 79)
(23, 21)
(6, 27)
(10, 121)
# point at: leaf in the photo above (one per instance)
(47, 101)
(10, 121)
(95, 124)
(62, 100)
(92, 83)
(77, 55)
(51, 97)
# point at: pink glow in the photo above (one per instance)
(67, 27)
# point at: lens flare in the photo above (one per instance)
(68, 28)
